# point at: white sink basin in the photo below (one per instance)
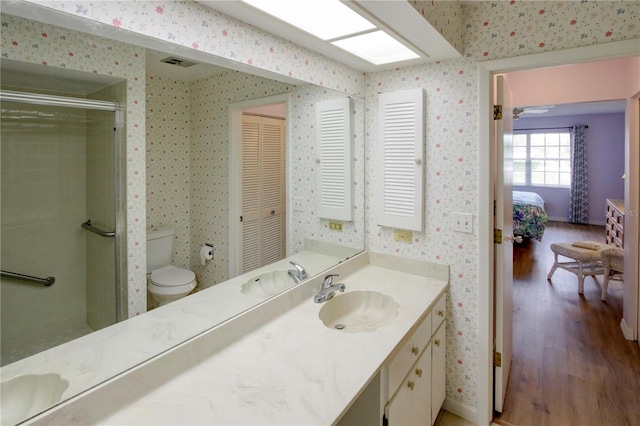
(268, 284)
(25, 396)
(358, 311)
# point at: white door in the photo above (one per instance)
(503, 247)
(263, 191)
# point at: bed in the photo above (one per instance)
(529, 216)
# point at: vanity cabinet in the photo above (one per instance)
(416, 373)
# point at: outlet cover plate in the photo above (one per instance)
(403, 236)
(298, 204)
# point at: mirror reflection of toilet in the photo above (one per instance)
(165, 282)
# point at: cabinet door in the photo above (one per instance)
(412, 404)
(438, 373)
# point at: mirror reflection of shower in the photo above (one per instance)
(61, 192)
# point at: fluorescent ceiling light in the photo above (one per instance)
(325, 19)
(376, 47)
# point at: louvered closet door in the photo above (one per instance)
(263, 191)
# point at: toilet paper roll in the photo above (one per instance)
(206, 253)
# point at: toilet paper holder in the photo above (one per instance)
(206, 253)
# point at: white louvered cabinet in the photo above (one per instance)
(334, 157)
(263, 191)
(400, 159)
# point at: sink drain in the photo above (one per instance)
(340, 326)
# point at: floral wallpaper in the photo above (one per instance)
(167, 156)
(491, 30)
(503, 29)
(451, 186)
(446, 17)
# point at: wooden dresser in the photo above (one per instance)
(615, 223)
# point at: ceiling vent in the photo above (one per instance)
(172, 60)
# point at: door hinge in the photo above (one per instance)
(497, 359)
(497, 236)
(240, 218)
(497, 112)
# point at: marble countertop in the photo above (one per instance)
(97, 357)
(275, 364)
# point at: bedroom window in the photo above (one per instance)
(542, 158)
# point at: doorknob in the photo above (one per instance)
(513, 239)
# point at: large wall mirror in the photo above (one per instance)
(191, 175)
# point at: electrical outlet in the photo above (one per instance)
(403, 236)
(463, 222)
(335, 226)
(298, 204)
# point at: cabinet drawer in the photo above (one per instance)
(408, 353)
(615, 215)
(438, 313)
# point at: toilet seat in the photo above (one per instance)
(172, 276)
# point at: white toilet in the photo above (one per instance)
(165, 282)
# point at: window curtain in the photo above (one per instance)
(579, 191)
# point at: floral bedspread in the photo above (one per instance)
(529, 216)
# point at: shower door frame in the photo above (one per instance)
(119, 167)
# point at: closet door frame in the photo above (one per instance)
(235, 175)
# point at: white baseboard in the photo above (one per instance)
(564, 219)
(470, 414)
(627, 331)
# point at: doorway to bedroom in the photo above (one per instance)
(568, 349)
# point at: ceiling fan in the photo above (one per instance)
(541, 109)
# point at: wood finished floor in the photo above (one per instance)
(571, 364)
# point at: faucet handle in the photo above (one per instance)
(301, 271)
(328, 279)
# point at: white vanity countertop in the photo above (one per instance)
(290, 370)
(92, 359)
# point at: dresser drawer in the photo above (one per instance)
(408, 353)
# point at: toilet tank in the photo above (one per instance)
(159, 247)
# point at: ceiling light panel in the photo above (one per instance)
(376, 47)
(326, 19)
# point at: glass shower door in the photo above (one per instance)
(57, 171)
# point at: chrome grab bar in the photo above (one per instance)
(46, 281)
(87, 225)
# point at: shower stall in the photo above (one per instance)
(62, 216)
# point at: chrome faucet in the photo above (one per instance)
(328, 289)
(299, 274)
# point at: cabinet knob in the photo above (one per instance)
(419, 372)
(437, 342)
(415, 350)
(411, 384)
(441, 313)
